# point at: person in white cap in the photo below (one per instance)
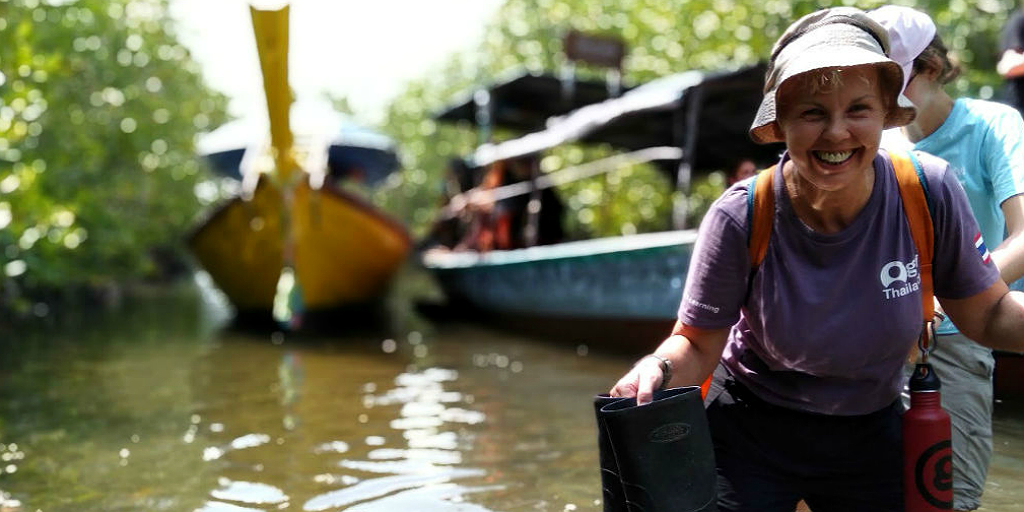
(983, 141)
(807, 348)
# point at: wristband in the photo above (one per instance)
(666, 369)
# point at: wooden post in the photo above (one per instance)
(691, 106)
(484, 110)
(531, 230)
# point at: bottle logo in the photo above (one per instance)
(933, 474)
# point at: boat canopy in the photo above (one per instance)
(523, 100)
(706, 114)
(352, 150)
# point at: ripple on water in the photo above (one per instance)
(456, 415)
(419, 422)
(439, 498)
(422, 408)
(378, 487)
(417, 454)
(431, 439)
(399, 466)
(240, 443)
(332, 447)
(250, 441)
(419, 476)
(249, 492)
(218, 506)
(212, 453)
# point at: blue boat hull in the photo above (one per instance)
(629, 278)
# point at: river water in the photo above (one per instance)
(157, 406)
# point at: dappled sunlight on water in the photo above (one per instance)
(248, 492)
(349, 433)
(423, 470)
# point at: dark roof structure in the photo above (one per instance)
(524, 101)
(706, 114)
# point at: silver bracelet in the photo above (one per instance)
(666, 368)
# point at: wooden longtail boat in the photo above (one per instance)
(292, 241)
(345, 251)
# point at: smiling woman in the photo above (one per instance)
(832, 135)
(802, 383)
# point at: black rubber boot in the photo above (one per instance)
(612, 495)
(663, 452)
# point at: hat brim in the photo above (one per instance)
(765, 128)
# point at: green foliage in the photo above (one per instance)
(662, 37)
(97, 166)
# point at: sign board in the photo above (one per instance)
(603, 51)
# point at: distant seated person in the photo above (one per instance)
(453, 221)
(511, 222)
(740, 170)
(523, 222)
(481, 213)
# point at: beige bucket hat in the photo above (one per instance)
(839, 37)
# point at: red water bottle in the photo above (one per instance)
(927, 450)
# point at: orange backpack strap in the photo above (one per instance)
(914, 194)
(760, 215)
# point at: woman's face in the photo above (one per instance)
(832, 130)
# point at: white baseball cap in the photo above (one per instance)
(910, 32)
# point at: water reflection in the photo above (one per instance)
(217, 506)
(424, 469)
(333, 426)
(249, 492)
(290, 377)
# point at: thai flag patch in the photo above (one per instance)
(979, 244)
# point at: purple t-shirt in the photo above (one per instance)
(830, 317)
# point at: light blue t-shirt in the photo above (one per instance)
(983, 142)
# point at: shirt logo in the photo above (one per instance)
(700, 305)
(899, 279)
(979, 244)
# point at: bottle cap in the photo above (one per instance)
(924, 378)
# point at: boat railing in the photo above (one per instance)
(478, 196)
